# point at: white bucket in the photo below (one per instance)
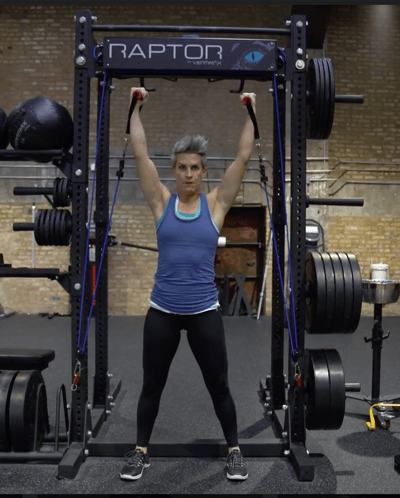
(380, 271)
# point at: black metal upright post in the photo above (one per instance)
(277, 380)
(84, 70)
(79, 179)
(377, 338)
(296, 64)
(101, 383)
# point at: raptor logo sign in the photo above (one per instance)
(190, 52)
(188, 56)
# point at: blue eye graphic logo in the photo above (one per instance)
(254, 56)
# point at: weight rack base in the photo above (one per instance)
(388, 398)
(201, 448)
(301, 462)
(98, 417)
(31, 456)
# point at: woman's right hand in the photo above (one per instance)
(142, 94)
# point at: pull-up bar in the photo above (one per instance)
(191, 29)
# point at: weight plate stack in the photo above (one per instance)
(53, 227)
(312, 100)
(22, 410)
(333, 293)
(61, 192)
(357, 293)
(317, 397)
(330, 293)
(330, 107)
(337, 389)
(316, 292)
(325, 389)
(348, 291)
(339, 294)
(321, 98)
(320, 91)
(7, 378)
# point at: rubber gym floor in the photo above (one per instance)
(351, 460)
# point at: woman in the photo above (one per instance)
(185, 295)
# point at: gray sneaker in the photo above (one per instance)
(134, 467)
(235, 468)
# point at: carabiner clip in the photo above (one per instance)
(77, 376)
(297, 375)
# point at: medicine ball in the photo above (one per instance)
(40, 124)
(3, 130)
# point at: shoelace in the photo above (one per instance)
(235, 459)
(136, 458)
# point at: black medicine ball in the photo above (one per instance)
(3, 131)
(40, 124)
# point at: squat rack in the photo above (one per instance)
(181, 58)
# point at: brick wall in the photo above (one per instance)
(362, 41)
(372, 240)
(36, 46)
(131, 270)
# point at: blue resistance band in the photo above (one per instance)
(293, 337)
(82, 349)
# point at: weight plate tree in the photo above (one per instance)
(333, 293)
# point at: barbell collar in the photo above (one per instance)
(349, 99)
(323, 201)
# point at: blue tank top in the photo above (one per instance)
(187, 243)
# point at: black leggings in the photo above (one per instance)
(206, 337)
